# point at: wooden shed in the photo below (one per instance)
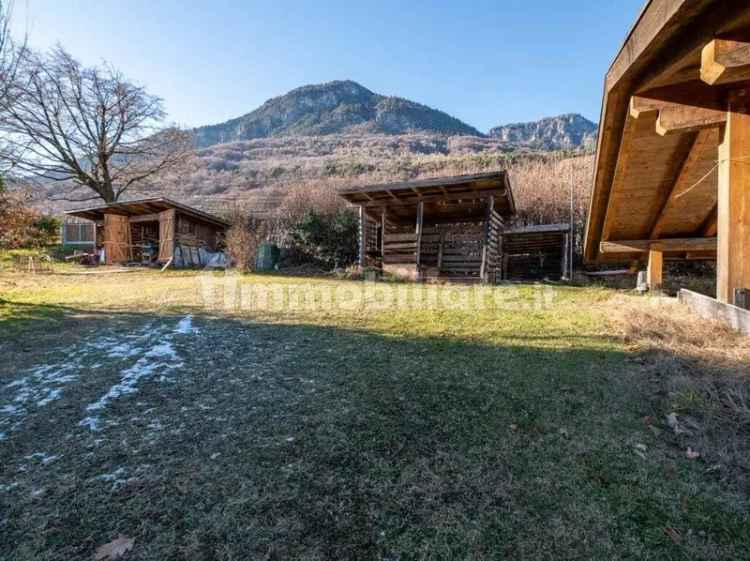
(535, 252)
(445, 228)
(156, 230)
(671, 178)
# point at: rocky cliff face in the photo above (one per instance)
(566, 132)
(333, 108)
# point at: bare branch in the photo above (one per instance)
(90, 126)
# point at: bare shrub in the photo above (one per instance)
(22, 226)
(243, 239)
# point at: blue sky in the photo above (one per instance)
(485, 62)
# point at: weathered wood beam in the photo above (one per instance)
(414, 200)
(733, 225)
(655, 271)
(724, 61)
(681, 119)
(644, 107)
(144, 218)
(677, 117)
(669, 244)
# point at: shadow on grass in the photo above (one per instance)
(299, 441)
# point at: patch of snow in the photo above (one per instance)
(114, 476)
(51, 396)
(161, 357)
(43, 457)
(185, 326)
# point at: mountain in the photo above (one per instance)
(340, 107)
(565, 132)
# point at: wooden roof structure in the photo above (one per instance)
(656, 174)
(144, 207)
(462, 198)
(666, 149)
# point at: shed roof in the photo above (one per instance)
(461, 197)
(652, 182)
(144, 207)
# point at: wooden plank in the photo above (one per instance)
(671, 244)
(655, 272)
(116, 238)
(724, 61)
(733, 225)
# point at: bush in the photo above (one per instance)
(243, 238)
(330, 239)
(22, 226)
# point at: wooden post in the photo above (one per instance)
(362, 237)
(441, 243)
(565, 257)
(655, 270)
(382, 233)
(485, 241)
(420, 218)
(733, 251)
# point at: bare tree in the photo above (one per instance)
(89, 126)
(10, 54)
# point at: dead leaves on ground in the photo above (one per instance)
(115, 549)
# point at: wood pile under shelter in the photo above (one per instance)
(435, 229)
(535, 252)
(157, 230)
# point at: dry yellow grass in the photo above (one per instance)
(700, 371)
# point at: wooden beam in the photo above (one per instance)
(362, 237)
(144, 218)
(383, 224)
(414, 200)
(655, 270)
(733, 258)
(644, 107)
(724, 61)
(669, 244)
(420, 218)
(680, 119)
(486, 240)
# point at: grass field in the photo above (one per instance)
(351, 420)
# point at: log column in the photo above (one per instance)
(733, 255)
(655, 270)
(362, 237)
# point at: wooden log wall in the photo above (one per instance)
(494, 248)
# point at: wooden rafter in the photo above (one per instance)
(724, 61)
(671, 244)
